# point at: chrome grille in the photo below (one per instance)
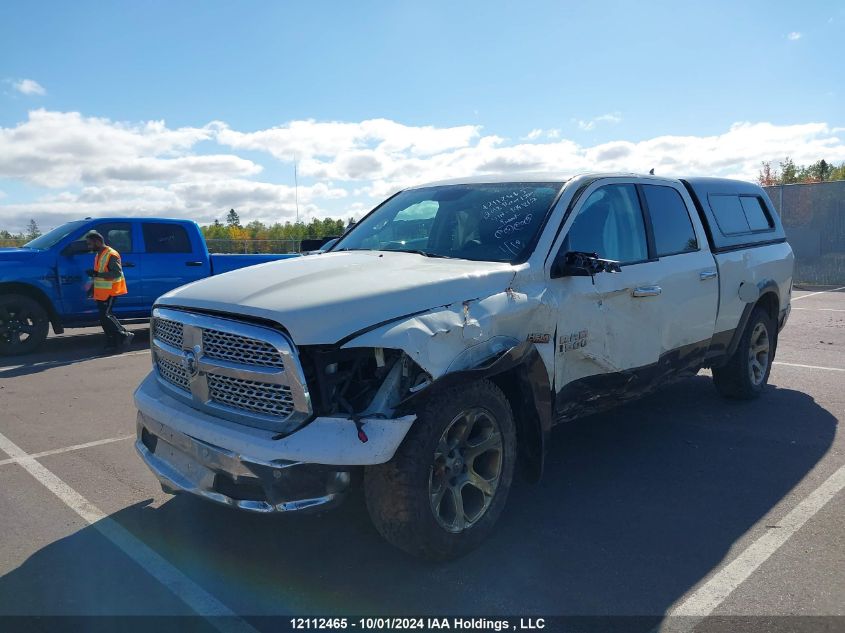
(251, 395)
(169, 332)
(230, 369)
(240, 349)
(173, 373)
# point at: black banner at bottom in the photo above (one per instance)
(391, 624)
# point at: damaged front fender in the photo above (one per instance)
(521, 374)
(464, 334)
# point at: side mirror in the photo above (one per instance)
(75, 248)
(580, 264)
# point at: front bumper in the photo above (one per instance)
(184, 464)
(253, 469)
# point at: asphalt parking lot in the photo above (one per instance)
(680, 503)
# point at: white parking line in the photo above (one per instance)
(75, 447)
(704, 600)
(820, 309)
(203, 603)
(813, 294)
(777, 362)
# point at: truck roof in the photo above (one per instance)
(123, 218)
(555, 177)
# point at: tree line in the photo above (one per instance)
(788, 173)
(232, 237)
(16, 239)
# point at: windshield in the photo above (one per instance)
(52, 237)
(482, 222)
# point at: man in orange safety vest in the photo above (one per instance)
(109, 283)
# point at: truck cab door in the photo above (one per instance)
(74, 260)
(171, 258)
(609, 324)
(687, 277)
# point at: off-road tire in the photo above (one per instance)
(397, 493)
(734, 380)
(23, 325)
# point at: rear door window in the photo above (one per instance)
(673, 230)
(165, 238)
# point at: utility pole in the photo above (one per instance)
(296, 188)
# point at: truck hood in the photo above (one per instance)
(8, 255)
(324, 298)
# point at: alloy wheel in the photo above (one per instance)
(758, 354)
(466, 470)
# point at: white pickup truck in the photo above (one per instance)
(431, 350)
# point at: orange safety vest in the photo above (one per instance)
(105, 288)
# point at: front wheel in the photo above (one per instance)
(23, 325)
(747, 372)
(444, 490)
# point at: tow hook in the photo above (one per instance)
(362, 435)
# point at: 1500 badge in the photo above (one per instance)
(572, 341)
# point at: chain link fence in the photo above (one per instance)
(253, 246)
(813, 216)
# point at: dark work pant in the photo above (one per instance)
(111, 326)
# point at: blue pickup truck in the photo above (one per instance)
(44, 281)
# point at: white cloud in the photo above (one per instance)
(538, 132)
(381, 136)
(590, 124)
(92, 166)
(29, 87)
(795, 35)
(61, 149)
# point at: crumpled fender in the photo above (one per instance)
(528, 380)
(464, 334)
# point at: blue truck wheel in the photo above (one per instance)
(23, 324)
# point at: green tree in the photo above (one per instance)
(32, 230)
(768, 176)
(788, 172)
(233, 219)
(837, 173)
(819, 171)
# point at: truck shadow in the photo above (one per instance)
(67, 349)
(636, 506)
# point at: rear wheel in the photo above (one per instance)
(23, 324)
(443, 491)
(747, 372)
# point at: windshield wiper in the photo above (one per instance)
(421, 252)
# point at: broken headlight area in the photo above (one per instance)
(359, 381)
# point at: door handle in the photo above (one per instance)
(704, 275)
(128, 265)
(646, 291)
(193, 263)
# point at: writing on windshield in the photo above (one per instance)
(483, 222)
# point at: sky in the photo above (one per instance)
(187, 109)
